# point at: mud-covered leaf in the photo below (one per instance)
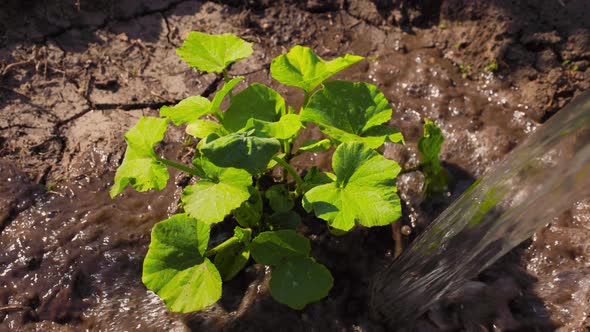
(364, 190)
(272, 248)
(255, 102)
(213, 53)
(175, 267)
(140, 167)
(429, 146)
(304, 69)
(314, 145)
(240, 150)
(187, 110)
(215, 196)
(278, 198)
(352, 112)
(300, 281)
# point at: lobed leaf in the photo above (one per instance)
(187, 110)
(352, 111)
(299, 281)
(213, 53)
(140, 167)
(286, 127)
(175, 267)
(214, 197)
(240, 150)
(255, 102)
(304, 69)
(364, 190)
(272, 248)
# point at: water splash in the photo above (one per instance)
(537, 181)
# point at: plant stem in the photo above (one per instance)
(226, 79)
(305, 100)
(181, 167)
(291, 171)
(220, 247)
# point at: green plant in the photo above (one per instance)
(236, 150)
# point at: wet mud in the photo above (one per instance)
(74, 79)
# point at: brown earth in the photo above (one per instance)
(74, 76)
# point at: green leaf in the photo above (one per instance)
(213, 53)
(429, 147)
(233, 257)
(187, 110)
(218, 194)
(240, 150)
(175, 267)
(299, 281)
(286, 128)
(272, 248)
(278, 198)
(284, 220)
(204, 128)
(249, 213)
(255, 102)
(352, 112)
(140, 167)
(314, 178)
(314, 145)
(364, 190)
(304, 69)
(216, 103)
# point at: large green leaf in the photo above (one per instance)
(364, 190)
(299, 281)
(141, 168)
(213, 53)
(314, 145)
(215, 196)
(304, 69)
(175, 267)
(187, 110)
(429, 147)
(255, 102)
(352, 112)
(272, 248)
(286, 127)
(204, 128)
(240, 150)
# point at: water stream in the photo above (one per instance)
(541, 178)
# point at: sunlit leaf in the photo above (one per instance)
(187, 110)
(213, 53)
(232, 259)
(140, 167)
(175, 267)
(364, 190)
(304, 69)
(255, 102)
(313, 145)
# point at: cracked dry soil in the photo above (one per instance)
(76, 75)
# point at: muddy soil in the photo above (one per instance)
(75, 75)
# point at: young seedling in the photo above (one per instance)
(237, 148)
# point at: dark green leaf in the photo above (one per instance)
(240, 150)
(314, 145)
(429, 147)
(234, 256)
(141, 168)
(284, 220)
(278, 198)
(302, 68)
(249, 213)
(272, 248)
(175, 267)
(352, 112)
(315, 178)
(300, 281)
(216, 195)
(213, 53)
(364, 190)
(255, 102)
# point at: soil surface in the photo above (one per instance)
(76, 75)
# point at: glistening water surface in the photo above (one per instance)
(536, 182)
